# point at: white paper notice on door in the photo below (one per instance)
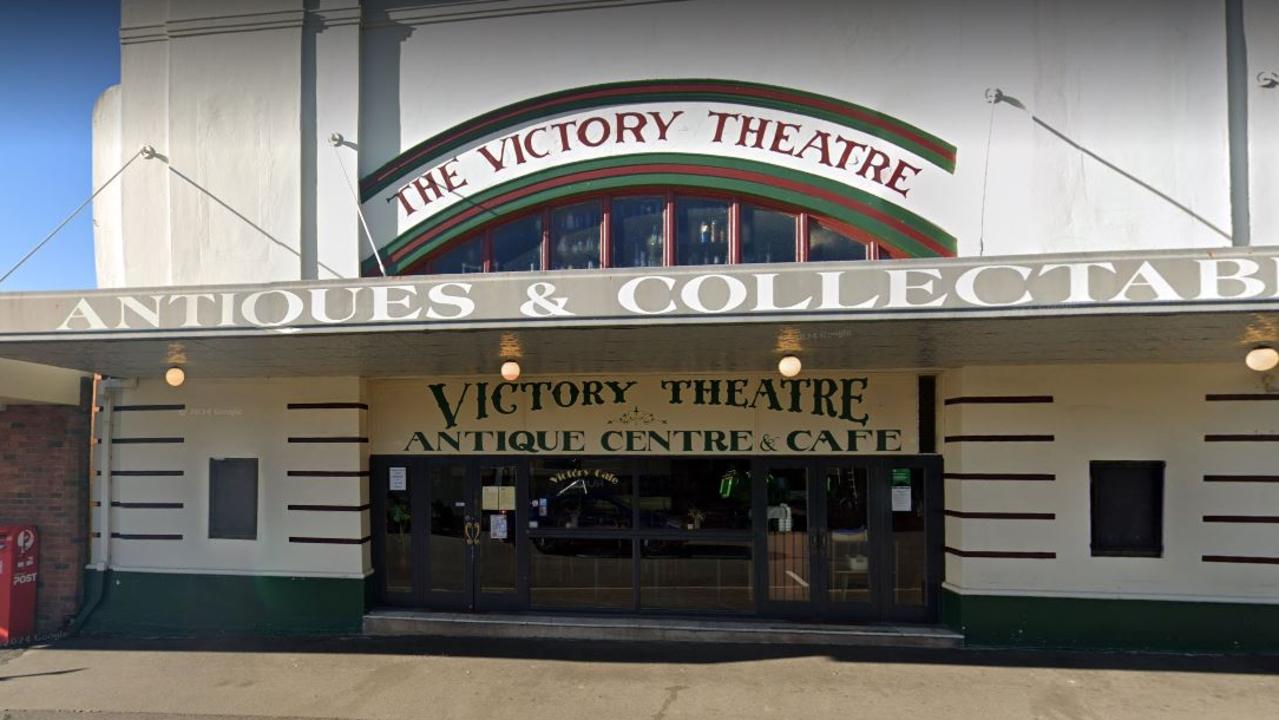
(901, 498)
(497, 527)
(399, 479)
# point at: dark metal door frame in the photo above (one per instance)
(882, 581)
(934, 527)
(517, 532)
(420, 470)
(817, 607)
(379, 478)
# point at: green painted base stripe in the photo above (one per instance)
(495, 122)
(786, 195)
(1105, 624)
(185, 604)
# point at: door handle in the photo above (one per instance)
(472, 533)
(819, 541)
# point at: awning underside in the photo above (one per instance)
(880, 344)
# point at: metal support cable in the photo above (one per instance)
(993, 96)
(335, 140)
(141, 151)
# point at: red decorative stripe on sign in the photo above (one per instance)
(693, 170)
(495, 120)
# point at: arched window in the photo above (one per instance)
(651, 228)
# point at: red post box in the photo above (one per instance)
(19, 568)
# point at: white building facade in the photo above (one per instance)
(1015, 252)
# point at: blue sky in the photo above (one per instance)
(56, 58)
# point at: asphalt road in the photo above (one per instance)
(444, 679)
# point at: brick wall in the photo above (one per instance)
(44, 466)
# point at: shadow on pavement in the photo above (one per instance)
(40, 674)
(682, 653)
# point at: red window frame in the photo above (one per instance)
(803, 224)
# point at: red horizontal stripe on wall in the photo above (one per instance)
(137, 536)
(1241, 397)
(331, 541)
(1259, 437)
(999, 438)
(999, 400)
(966, 515)
(330, 440)
(1003, 554)
(1242, 478)
(1242, 559)
(1029, 477)
(330, 508)
(1260, 519)
(328, 473)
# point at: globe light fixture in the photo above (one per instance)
(789, 366)
(510, 371)
(1262, 359)
(175, 376)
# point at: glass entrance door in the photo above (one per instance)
(790, 538)
(848, 539)
(499, 499)
(911, 543)
(854, 538)
(446, 532)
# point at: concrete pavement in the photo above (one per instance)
(458, 678)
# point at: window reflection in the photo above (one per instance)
(767, 235)
(825, 243)
(465, 258)
(636, 232)
(497, 556)
(909, 551)
(847, 521)
(398, 547)
(701, 231)
(447, 560)
(575, 236)
(695, 494)
(696, 575)
(788, 558)
(518, 245)
(706, 231)
(581, 573)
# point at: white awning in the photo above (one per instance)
(1185, 306)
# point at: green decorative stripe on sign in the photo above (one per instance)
(891, 224)
(857, 117)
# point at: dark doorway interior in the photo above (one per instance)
(853, 538)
